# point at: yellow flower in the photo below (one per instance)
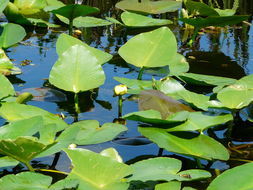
(120, 89)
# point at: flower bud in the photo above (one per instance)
(120, 89)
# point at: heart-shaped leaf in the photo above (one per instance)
(98, 172)
(150, 49)
(12, 34)
(64, 42)
(83, 70)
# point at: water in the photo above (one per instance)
(224, 52)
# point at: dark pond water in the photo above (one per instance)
(224, 52)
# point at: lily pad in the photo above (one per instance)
(12, 34)
(240, 176)
(98, 172)
(137, 20)
(12, 111)
(64, 42)
(146, 49)
(186, 143)
(175, 185)
(86, 21)
(3, 4)
(237, 95)
(81, 65)
(6, 66)
(149, 6)
(23, 149)
(6, 87)
(7, 161)
(91, 133)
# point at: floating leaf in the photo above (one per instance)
(225, 12)
(175, 185)
(25, 180)
(53, 4)
(65, 41)
(214, 20)
(23, 149)
(3, 4)
(73, 11)
(25, 127)
(200, 8)
(98, 172)
(30, 4)
(154, 169)
(6, 87)
(199, 121)
(7, 161)
(91, 133)
(186, 143)
(156, 100)
(150, 49)
(240, 176)
(154, 117)
(31, 181)
(148, 6)
(81, 65)
(137, 20)
(12, 34)
(12, 111)
(86, 21)
(193, 174)
(112, 153)
(237, 95)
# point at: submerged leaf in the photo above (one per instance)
(156, 100)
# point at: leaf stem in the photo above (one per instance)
(120, 105)
(28, 165)
(70, 27)
(140, 73)
(76, 103)
(195, 33)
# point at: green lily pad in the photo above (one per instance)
(240, 175)
(6, 66)
(91, 133)
(98, 172)
(86, 21)
(6, 87)
(206, 80)
(148, 6)
(137, 20)
(12, 111)
(3, 4)
(175, 185)
(81, 65)
(23, 149)
(146, 49)
(31, 181)
(12, 34)
(7, 161)
(73, 11)
(64, 42)
(200, 8)
(186, 143)
(237, 95)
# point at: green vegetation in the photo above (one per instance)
(173, 117)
